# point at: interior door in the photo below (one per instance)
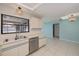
(56, 30)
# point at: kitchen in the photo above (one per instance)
(18, 43)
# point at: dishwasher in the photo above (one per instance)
(33, 44)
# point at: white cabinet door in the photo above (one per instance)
(10, 52)
(23, 50)
(42, 42)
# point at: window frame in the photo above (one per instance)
(2, 15)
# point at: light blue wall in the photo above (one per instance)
(69, 31)
(47, 30)
(47, 27)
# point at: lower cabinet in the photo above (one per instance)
(10, 52)
(21, 50)
(42, 42)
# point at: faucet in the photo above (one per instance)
(16, 37)
(19, 37)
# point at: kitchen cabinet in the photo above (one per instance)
(23, 50)
(19, 48)
(0, 50)
(10, 52)
(42, 42)
(15, 49)
(18, 51)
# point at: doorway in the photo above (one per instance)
(56, 30)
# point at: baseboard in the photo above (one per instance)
(70, 41)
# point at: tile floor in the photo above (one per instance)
(58, 48)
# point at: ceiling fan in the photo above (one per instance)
(71, 17)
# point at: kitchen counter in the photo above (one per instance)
(20, 46)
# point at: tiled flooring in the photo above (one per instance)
(58, 48)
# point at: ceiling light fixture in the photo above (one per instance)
(72, 18)
(19, 11)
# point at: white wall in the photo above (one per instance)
(34, 23)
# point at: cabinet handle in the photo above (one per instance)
(6, 40)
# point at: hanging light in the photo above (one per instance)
(71, 18)
(19, 11)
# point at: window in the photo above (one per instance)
(12, 24)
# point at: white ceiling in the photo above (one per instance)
(30, 5)
(54, 10)
(51, 10)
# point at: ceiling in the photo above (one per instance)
(51, 10)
